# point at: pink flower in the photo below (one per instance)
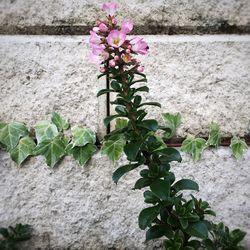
(127, 26)
(140, 68)
(139, 46)
(110, 8)
(116, 38)
(98, 55)
(94, 38)
(103, 27)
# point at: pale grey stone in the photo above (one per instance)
(74, 208)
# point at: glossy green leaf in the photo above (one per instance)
(81, 136)
(113, 148)
(149, 197)
(238, 147)
(214, 135)
(198, 229)
(151, 104)
(142, 182)
(186, 184)
(23, 149)
(53, 150)
(108, 119)
(194, 146)
(121, 123)
(45, 131)
(147, 216)
(83, 154)
(104, 91)
(161, 188)
(172, 122)
(158, 231)
(131, 150)
(11, 133)
(115, 85)
(123, 170)
(137, 100)
(142, 89)
(149, 124)
(59, 122)
(169, 154)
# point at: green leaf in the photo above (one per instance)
(137, 100)
(11, 133)
(149, 124)
(108, 119)
(198, 229)
(214, 135)
(150, 103)
(123, 170)
(83, 154)
(147, 216)
(143, 89)
(45, 131)
(161, 188)
(172, 122)
(24, 148)
(193, 146)
(53, 150)
(82, 136)
(185, 184)
(142, 182)
(169, 154)
(115, 85)
(131, 150)
(121, 123)
(237, 236)
(104, 91)
(113, 148)
(238, 147)
(59, 122)
(158, 231)
(149, 197)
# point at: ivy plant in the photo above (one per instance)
(182, 221)
(49, 141)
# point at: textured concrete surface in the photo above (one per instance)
(150, 17)
(205, 78)
(74, 208)
(42, 74)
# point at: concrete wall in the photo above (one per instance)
(204, 77)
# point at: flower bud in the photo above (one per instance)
(112, 63)
(103, 27)
(128, 51)
(102, 70)
(140, 68)
(116, 58)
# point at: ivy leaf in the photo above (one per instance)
(121, 123)
(147, 216)
(53, 150)
(186, 184)
(113, 148)
(11, 133)
(123, 170)
(59, 122)
(172, 122)
(161, 188)
(193, 146)
(83, 154)
(82, 136)
(238, 147)
(198, 229)
(24, 148)
(158, 231)
(214, 135)
(45, 131)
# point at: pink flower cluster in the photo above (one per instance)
(110, 46)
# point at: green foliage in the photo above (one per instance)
(238, 147)
(214, 135)
(12, 236)
(194, 146)
(121, 123)
(52, 143)
(172, 122)
(24, 148)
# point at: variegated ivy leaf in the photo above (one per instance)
(59, 122)
(193, 146)
(82, 136)
(238, 147)
(214, 135)
(45, 131)
(23, 149)
(121, 123)
(53, 149)
(113, 147)
(172, 122)
(11, 133)
(83, 154)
